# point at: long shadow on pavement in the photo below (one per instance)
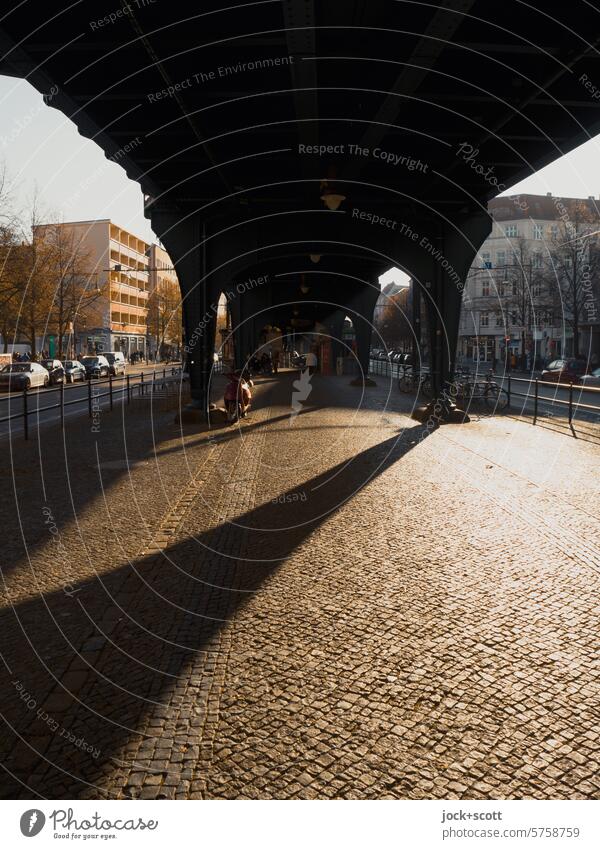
(155, 615)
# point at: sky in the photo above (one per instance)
(75, 182)
(40, 146)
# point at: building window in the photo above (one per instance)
(513, 319)
(484, 319)
(486, 260)
(538, 231)
(536, 289)
(512, 231)
(536, 260)
(501, 260)
(554, 231)
(485, 289)
(499, 319)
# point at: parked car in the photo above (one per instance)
(74, 370)
(95, 366)
(116, 361)
(19, 376)
(564, 371)
(591, 379)
(55, 370)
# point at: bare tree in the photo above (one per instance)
(165, 314)
(9, 282)
(9, 257)
(33, 274)
(526, 292)
(75, 286)
(392, 319)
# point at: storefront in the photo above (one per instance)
(128, 344)
(479, 349)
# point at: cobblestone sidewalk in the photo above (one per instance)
(329, 605)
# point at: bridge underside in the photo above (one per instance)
(367, 134)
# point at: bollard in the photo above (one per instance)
(128, 391)
(570, 403)
(25, 418)
(110, 390)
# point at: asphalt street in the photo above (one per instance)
(44, 405)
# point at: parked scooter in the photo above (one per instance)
(238, 397)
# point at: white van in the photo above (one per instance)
(116, 360)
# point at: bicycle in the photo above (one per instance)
(413, 380)
(486, 390)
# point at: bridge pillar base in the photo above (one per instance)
(440, 412)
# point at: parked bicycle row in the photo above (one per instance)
(554, 395)
(464, 388)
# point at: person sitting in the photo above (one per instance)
(311, 362)
(238, 390)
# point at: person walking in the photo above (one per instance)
(275, 360)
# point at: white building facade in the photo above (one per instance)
(512, 306)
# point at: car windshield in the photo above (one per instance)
(110, 357)
(47, 363)
(90, 361)
(16, 367)
(70, 363)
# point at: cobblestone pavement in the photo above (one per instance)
(330, 604)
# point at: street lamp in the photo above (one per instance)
(330, 197)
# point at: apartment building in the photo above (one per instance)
(118, 265)
(516, 299)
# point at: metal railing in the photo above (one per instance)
(537, 391)
(388, 368)
(572, 405)
(118, 389)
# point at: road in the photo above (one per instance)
(552, 400)
(43, 405)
